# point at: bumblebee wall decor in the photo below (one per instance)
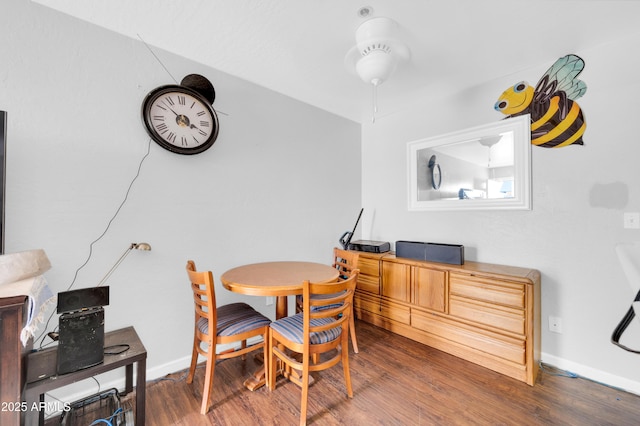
(556, 117)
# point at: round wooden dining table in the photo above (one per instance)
(279, 279)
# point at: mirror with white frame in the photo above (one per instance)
(484, 167)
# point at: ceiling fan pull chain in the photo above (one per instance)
(375, 102)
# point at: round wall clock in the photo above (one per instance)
(180, 118)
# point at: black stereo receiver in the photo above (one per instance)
(370, 246)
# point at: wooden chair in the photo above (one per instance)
(345, 261)
(218, 325)
(321, 328)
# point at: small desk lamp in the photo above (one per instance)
(137, 246)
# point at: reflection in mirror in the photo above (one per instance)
(481, 168)
(486, 167)
(436, 177)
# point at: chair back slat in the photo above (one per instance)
(345, 261)
(204, 296)
(336, 307)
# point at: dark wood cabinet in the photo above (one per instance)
(13, 358)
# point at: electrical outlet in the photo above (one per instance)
(632, 220)
(555, 324)
(271, 300)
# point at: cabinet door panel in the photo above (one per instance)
(395, 281)
(429, 289)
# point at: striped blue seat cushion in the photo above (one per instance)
(325, 296)
(235, 318)
(292, 327)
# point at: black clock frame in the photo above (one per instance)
(146, 118)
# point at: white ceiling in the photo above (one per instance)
(297, 47)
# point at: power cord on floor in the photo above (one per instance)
(554, 371)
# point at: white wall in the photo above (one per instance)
(579, 196)
(267, 189)
(281, 182)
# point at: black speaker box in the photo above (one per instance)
(75, 300)
(81, 340)
(41, 364)
(432, 252)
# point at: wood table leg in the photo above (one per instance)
(282, 307)
(128, 379)
(259, 377)
(141, 391)
(257, 380)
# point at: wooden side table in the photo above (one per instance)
(44, 361)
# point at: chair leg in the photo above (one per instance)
(352, 332)
(208, 379)
(270, 363)
(243, 345)
(194, 360)
(345, 366)
(305, 391)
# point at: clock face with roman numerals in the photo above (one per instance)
(179, 119)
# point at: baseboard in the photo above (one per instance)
(593, 374)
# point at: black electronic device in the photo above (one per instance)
(43, 366)
(81, 328)
(84, 298)
(346, 237)
(369, 246)
(81, 341)
(432, 252)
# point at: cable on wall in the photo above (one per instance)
(106, 229)
(167, 70)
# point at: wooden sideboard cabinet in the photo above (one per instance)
(487, 314)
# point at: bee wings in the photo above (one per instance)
(562, 76)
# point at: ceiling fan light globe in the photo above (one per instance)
(376, 67)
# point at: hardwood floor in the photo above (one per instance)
(395, 382)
